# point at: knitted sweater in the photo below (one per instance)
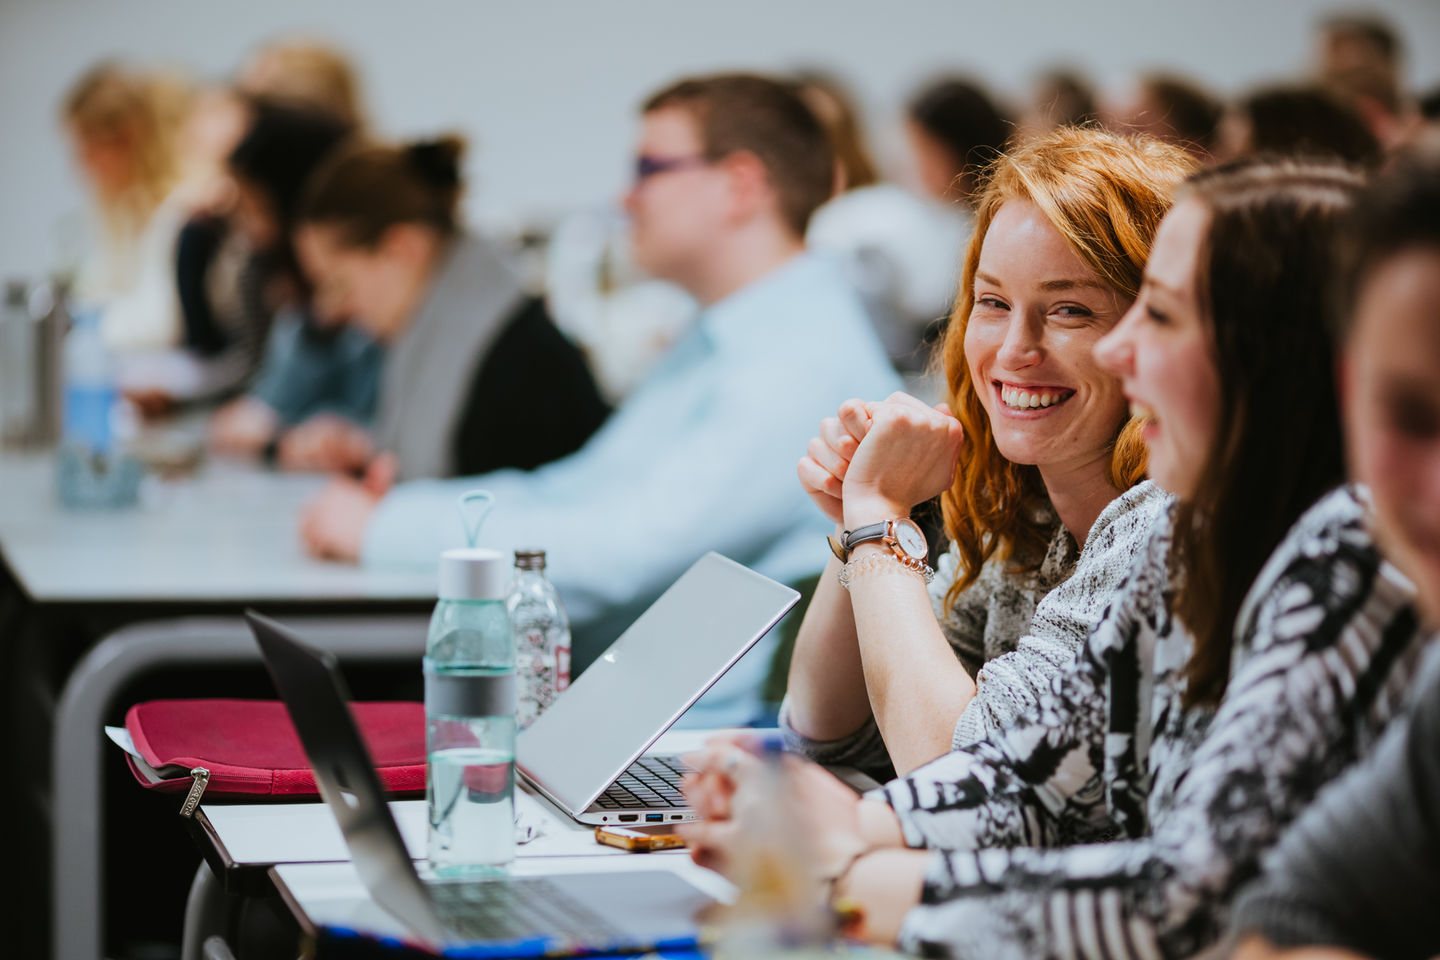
(1014, 632)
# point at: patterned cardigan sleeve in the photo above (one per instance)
(1022, 785)
(1331, 643)
(964, 628)
(1010, 686)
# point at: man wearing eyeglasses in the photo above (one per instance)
(701, 456)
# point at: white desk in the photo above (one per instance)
(227, 533)
(250, 835)
(312, 873)
(214, 542)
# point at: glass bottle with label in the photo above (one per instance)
(470, 717)
(542, 637)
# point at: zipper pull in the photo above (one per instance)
(201, 776)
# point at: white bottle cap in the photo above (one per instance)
(474, 573)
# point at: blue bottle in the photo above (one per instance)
(89, 392)
(470, 717)
(92, 469)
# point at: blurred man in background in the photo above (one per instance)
(701, 456)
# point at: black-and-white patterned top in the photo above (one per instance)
(1015, 632)
(1325, 646)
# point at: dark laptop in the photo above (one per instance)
(551, 915)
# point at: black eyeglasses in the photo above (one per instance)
(647, 166)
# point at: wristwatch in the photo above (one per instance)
(901, 535)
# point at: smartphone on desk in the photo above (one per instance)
(640, 839)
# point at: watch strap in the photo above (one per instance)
(850, 539)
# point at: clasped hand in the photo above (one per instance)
(730, 788)
(875, 461)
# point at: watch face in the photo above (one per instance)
(911, 540)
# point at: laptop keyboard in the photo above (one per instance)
(517, 908)
(651, 781)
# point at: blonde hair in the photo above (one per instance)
(1105, 194)
(144, 109)
(307, 74)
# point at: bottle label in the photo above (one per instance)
(469, 695)
(562, 668)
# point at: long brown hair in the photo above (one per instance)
(1105, 194)
(1264, 285)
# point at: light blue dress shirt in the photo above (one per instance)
(701, 456)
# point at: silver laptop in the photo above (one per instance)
(586, 753)
(557, 915)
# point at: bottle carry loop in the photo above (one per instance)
(475, 506)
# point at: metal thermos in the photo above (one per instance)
(32, 331)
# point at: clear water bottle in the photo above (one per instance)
(542, 637)
(470, 717)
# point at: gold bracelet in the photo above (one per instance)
(882, 561)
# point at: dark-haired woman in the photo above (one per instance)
(1198, 718)
(1360, 871)
(476, 376)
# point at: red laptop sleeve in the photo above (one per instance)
(251, 749)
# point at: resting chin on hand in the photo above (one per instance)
(332, 525)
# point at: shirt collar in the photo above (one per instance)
(740, 320)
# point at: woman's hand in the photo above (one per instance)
(827, 457)
(908, 455)
(741, 796)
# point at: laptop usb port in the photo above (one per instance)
(629, 817)
(654, 817)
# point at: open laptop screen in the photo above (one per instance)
(651, 675)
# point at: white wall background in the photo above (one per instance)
(547, 89)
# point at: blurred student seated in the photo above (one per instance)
(226, 305)
(123, 126)
(623, 320)
(1059, 97)
(310, 364)
(900, 250)
(1173, 109)
(701, 456)
(1360, 57)
(1297, 121)
(954, 131)
(476, 377)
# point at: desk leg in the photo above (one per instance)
(205, 913)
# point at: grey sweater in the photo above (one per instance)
(1015, 632)
(1361, 868)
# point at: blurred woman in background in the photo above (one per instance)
(1174, 109)
(900, 251)
(123, 126)
(476, 376)
(1297, 122)
(955, 130)
(310, 365)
